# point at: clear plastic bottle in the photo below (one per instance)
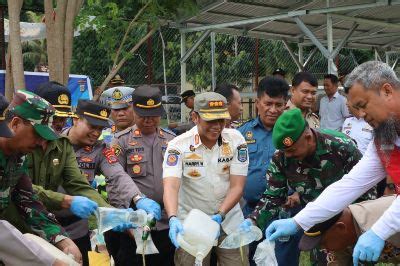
(241, 238)
(108, 218)
(284, 214)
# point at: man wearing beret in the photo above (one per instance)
(140, 150)
(206, 168)
(307, 160)
(28, 116)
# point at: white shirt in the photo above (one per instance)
(333, 111)
(205, 172)
(365, 174)
(360, 131)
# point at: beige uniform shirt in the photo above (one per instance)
(205, 172)
(311, 118)
(144, 163)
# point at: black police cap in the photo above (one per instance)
(147, 101)
(95, 113)
(57, 95)
(187, 94)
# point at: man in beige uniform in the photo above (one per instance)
(206, 168)
(304, 91)
(140, 150)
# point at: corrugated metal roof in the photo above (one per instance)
(370, 30)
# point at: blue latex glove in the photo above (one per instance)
(175, 228)
(245, 225)
(368, 248)
(217, 218)
(281, 228)
(82, 206)
(123, 227)
(150, 206)
(94, 184)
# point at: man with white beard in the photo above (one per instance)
(372, 86)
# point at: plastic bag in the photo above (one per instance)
(265, 254)
(149, 247)
(241, 238)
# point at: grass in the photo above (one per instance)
(305, 261)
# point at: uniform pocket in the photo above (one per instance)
(136, 164)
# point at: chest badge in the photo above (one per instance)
(86, 160)
(133, 143)
(136, 169)
(56, 162)
(136, 158)
(226, 150)
(194, 173)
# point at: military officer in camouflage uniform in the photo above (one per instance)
(304, 93)
(140, 150)
(307, 160)
(28, 116)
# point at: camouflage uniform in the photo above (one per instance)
(334, 157)
(17, 197)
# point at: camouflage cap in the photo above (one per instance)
(5, 131)
(288, 128)
(117, 97)
(36, 110)
(211, 106)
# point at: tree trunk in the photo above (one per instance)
(15, 51)
(115, 69)
(69, 36)
(9, 84)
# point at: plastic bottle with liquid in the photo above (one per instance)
(284, 214)
(200, 232)
(108, 218)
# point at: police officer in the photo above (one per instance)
(308, 161)
(28, 117)
(187, 98)
(303, 96)
(60, 98)
(205, 168)
(57, 178)
(140, 150)
(119, 99)
(94, 157)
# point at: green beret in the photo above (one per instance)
(288, 128)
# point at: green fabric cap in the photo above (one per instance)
(288, 128)
(35, 109)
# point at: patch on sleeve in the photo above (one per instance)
(117, 149)
(172, 159)
(110, 155)
(242, 153)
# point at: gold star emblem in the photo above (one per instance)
(63, 99)
(103, 113)
(117, 94)
(150, 102)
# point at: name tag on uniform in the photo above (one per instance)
(225, 159)
(85, 165)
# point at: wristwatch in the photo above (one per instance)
(222, 215)
(138, 197)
